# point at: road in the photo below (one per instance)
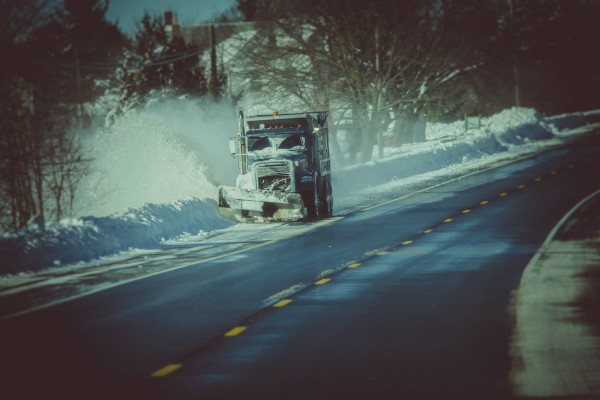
(403, 298)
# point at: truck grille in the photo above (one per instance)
(272, 169)
(276, 176)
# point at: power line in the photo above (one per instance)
(171, 58)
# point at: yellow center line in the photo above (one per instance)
(448, 220)
(466, 211)
(503, 194)
(554, 172)
(354, 265)
(236, 331)
(407, 242)
(521, 186)
(322, 281)
(484, 202)
(282, 303)
(538, 179)
(428, 231)
(571, 166)
(164, 371)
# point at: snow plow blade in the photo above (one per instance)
(259, 205)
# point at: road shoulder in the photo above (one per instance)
(555, 346)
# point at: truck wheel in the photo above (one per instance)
(325, 200)
(317, 201)
(326, 204)
(328, 201)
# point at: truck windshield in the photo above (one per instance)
(279, 143)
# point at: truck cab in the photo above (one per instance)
(285, 169)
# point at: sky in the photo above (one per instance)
(189, 12)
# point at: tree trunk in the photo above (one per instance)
(367, 140)
(419, 129)
(366, 150)
(380, 144)
(334, 145)
(404, 129)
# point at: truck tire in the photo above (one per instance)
(321, 200)
(318, 204)
(325, 200)
(314, 206)
(328, 200)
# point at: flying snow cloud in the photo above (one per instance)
(170, 150)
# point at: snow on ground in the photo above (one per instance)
(90, 237)
(156, 169)
(449, 150)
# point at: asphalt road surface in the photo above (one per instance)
(403, 298)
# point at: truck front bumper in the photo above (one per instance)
(260, 205)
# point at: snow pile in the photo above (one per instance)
(91, 237)
(513, 131)
(156, 170)
(518, 126)
(498, 124)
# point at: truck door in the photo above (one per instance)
(324, 162)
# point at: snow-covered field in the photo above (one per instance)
(156, 170)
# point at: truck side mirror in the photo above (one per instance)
(233, 146)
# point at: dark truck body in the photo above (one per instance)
(285, 169)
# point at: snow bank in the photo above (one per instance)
(567, 121)
(91, 237)
(449, 145)
(156, 173)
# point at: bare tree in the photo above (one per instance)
(63, 170)
(376, 61)
(35, 143)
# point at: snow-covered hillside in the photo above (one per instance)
(155, 174)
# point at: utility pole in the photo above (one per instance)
(376, 117)
(214, 79)
(78, 83)
(514, 44)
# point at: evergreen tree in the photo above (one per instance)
(159, 62)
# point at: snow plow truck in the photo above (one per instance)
(285, 170)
